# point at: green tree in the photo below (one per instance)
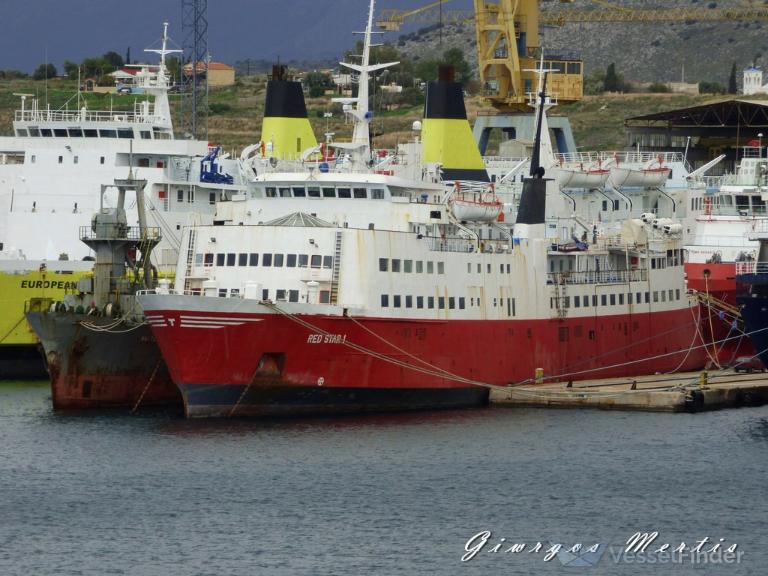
(114, 59)
(613, 82)
(71, 69)
(455, 57)
(44, 71)
(711, 88)
(732, 85)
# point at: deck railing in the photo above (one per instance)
(116, 232)
(598, 277)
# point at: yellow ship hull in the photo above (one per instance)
(18, 285)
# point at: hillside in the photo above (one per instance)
(236, 113)
(644, 52)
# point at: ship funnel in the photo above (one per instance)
(286, 132)
(446, 135)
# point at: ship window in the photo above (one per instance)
(299, 192)
(409, 301)
(125, 132)
(76, 132)
(143, 162)
(280, 295)
(231, 259)
(431, 302)
(242, 259)
(329, 192)
(603, 300)
(293, 295)
(208, 259)
(212, 198)
(677, 294)
(290, 261)
(234, 293)
(639, 298)
(419, 267)
(613, 299)
(452, 302)
(407, 266)
(278, 262)
(253, 259)
(566, 302)
(489, 268)
(629, 298)
(220, 258)
(585, 301)
(271, 192)
(285, 192)
(34, 131)
(419, 301)
(462, 303)
(180, 195)
(146, 135)
(383, 264)
(303, 260)
(655, 296)
(653, 264)
(61, 159)
(396, 301)
(108, 133)
(478, 268)
(222, 292)
(469, 268)
(265, 294)
(21, 132)
(325, 296)
(441, 302)
(101, 160)
(361, 193)
(266, 259)
(621, 299)
(45, 132)
(198, 259)
(313, 192)
(345, 193)
(384, 300)
(377, 194)
(434, 214)
(33, 159)
(430, 267)
(509, 269)
(327, 261)
(441, 267)
(647, 297)
(663, 296)
(577, 302)
(316, 261)
(60, 132)
(395, 265)
(90, 133)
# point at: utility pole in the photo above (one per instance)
(194, 102)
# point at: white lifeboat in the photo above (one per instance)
(581, 177)
(476, 206)
(652, 176)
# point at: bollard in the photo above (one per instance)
(703, 380)
(539, 376)
(634, 385)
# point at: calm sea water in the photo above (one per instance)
(398, 494)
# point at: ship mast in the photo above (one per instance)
(361, 136)
(159, 88)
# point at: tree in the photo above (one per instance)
(455, 57)
(711, 88)
(613, 82)
(732, 85)
(71, 69)
(114, 59)
(44, 71)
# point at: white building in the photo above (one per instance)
(753, 81)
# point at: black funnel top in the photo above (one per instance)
(533, 202)
(285, 99)
(445, 98)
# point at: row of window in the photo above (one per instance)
(280, 295)
(75, 159)
(268, 260)
(410, 266)
(439, 302)
(36, 132)
(323, 192)
(612, 299)
(503, 268)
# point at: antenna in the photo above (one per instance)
(536, 158)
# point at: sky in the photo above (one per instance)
(237, 29)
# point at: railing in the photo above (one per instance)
(450, 244)
(598, 277)
(751, 268)
(620, 156)
(119, 232)
(80, 116)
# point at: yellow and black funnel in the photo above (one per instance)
(286, 133)
(446, 135)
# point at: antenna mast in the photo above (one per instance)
(194, 109)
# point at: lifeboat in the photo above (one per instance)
(639, 177)
(580, 177)
(476, 206)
